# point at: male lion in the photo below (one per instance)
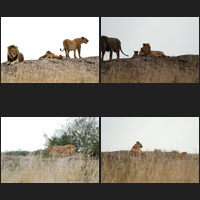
(136, 151)
(72, 45)
(181, 156)
(49, 54)
(67, 150)
(14, 56)
(146, 51)
(111, 44)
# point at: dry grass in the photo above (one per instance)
(32, 169)
(151, 169)
(148, 75)
(151, 70)
(52, 71)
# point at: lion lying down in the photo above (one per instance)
(49, 54)
(67, 150)
(14, 56)
(146, 51)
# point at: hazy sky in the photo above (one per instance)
(165, 133)
(35, 35)
(27, 133)
(172, 35)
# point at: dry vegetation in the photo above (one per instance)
(155, 167)
(180, 69)
(81, 70)
(35, 169)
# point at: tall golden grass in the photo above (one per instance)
(150, 169)
(35, 169)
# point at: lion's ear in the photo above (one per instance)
(82, 38)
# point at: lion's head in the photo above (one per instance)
(84, 40)
(13, 51)
(138, 145)
(146, 48)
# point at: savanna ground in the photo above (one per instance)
(180, 69)
(80, 70)
(37, 169)
(154, 167)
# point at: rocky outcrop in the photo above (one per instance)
(77, 70)
(151, 69)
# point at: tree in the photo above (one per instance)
(82, 132)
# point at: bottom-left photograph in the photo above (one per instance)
(49, 149)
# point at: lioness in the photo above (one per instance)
(49, 54)
(72, 45)
(14, 56)
(146, 51)
(135, 54)
(62, 151)
(181, 156)
(136, 151)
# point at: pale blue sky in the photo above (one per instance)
(165, 133)
(172, 35)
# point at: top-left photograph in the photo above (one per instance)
(49, 49)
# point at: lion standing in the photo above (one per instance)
(72, 45)
(14, 56)
(136, 151)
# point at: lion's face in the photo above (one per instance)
(184, 153)
(138, 145)
(146, 48)
(13, 51)
(85, 40)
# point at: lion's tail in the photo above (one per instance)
(123, 52)
(62, 50)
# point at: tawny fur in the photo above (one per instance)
(49, 54)
(136, 151)
(67, 150)
(72, 45)
(181, 156)
(14, 56)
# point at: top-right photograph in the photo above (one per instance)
(149, 49)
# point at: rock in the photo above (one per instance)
(76, 70)
(151, 69)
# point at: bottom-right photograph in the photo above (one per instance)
(149, 149)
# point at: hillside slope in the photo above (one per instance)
(151, 69)
(80, 70)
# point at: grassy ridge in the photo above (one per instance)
(153, 168)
